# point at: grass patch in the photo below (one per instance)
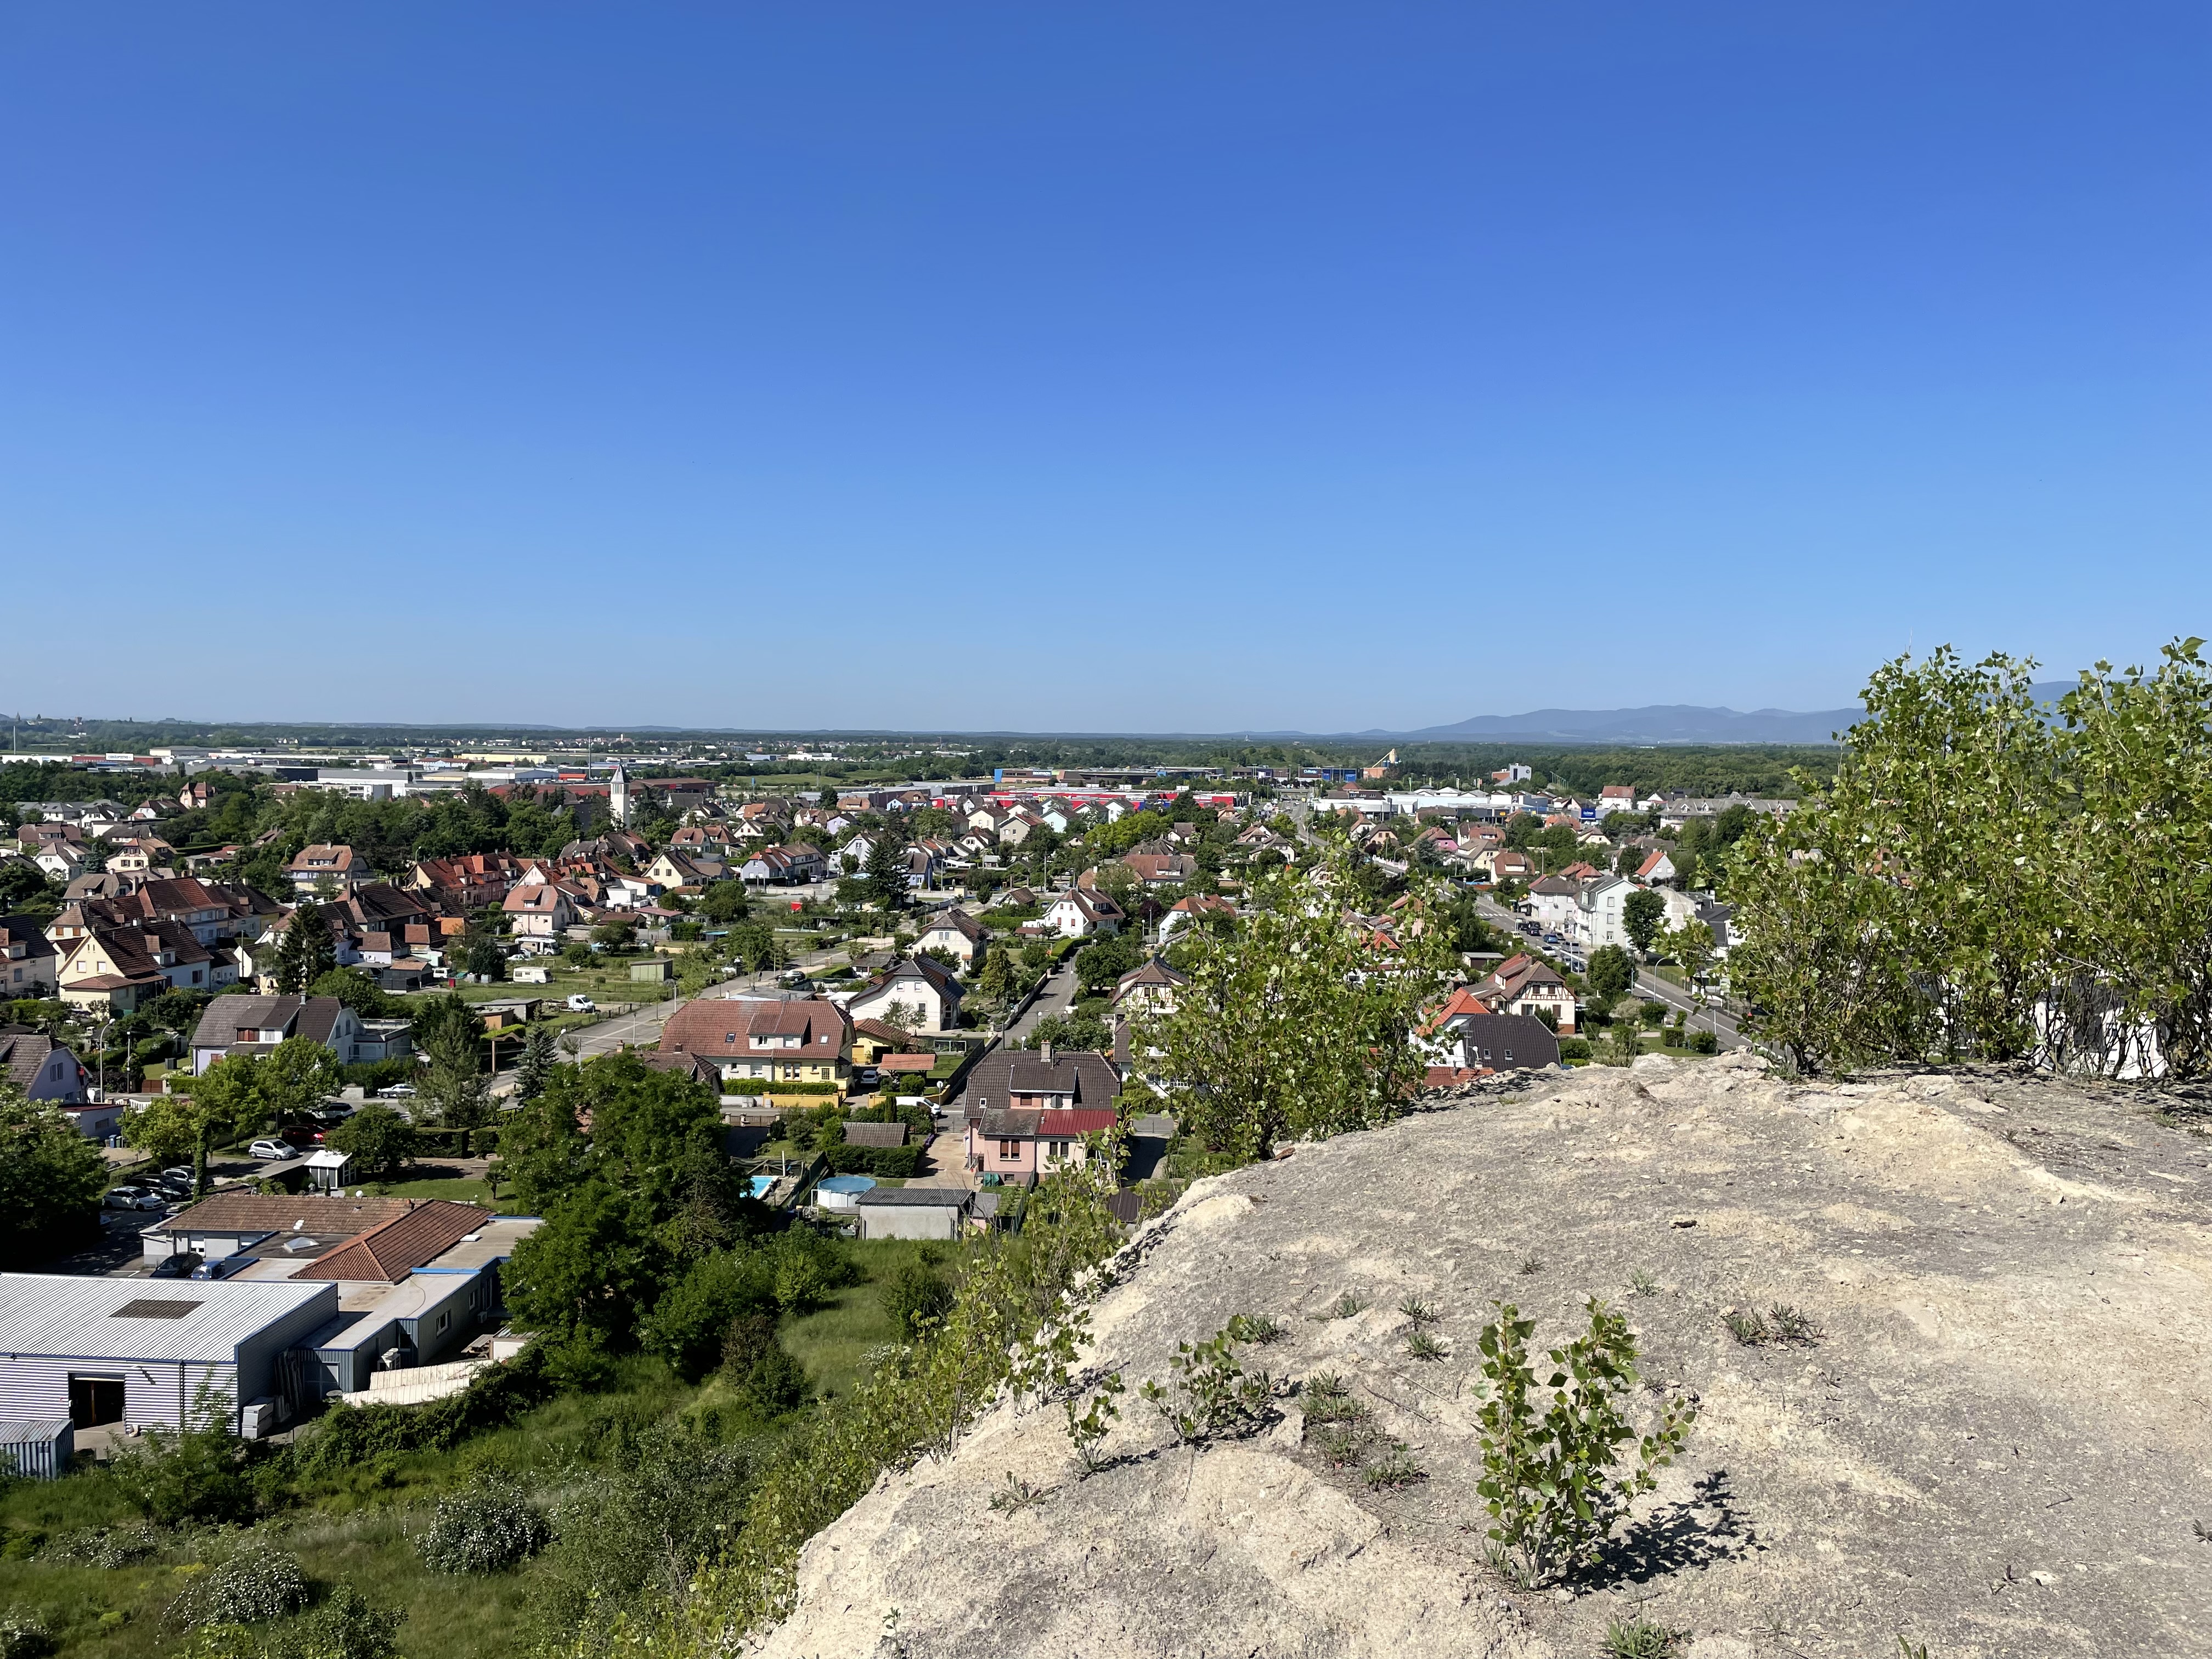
(831, 1341)
(359, 1529)
(459, 1190)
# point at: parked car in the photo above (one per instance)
(221, 1266)
(581, 1003)
(134, 1198)
(181, 1172)
(179, 1266)
(396, 1092)
(275, 1149)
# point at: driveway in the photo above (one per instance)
(1058, 997)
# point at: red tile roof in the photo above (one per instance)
(394, 1249)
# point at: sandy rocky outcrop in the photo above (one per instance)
(1999, 1448)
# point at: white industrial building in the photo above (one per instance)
(168, 1353)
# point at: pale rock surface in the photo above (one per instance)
(1998, 1449)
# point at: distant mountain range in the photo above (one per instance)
(1672, 722)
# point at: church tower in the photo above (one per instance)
(619, 796)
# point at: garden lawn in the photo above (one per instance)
(831, 1341)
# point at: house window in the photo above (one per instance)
(1006, 1151)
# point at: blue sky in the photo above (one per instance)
(1134, 367)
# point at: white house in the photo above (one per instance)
(1081, 911)
(1601, 919)
(955, 932)
(920, 986)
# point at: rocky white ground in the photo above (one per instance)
(1999, 1447)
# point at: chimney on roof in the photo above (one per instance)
(1045, 1049)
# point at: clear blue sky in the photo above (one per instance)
(1174, 366)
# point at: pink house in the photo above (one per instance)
(1027, 1112)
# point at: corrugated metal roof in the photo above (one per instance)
(50, 1314)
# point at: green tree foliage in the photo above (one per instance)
(1611, 971)
(226, 1102)
(306, 952)
(450, 1033)
(1978, 883)
(1641, 915)
(725, 903)
(359, 991)
(481, 958)
(196, 1476)
(627, 1207)
(691, 1325)
(381, 1141)
(1302, 1024)
(1099, 964)
(887, 873)
(28, 891)
(290, 1081)
(534, 1069)
(641, 1521)
(917, 1298)
(51, 1180)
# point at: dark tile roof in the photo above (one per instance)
(937, 1197)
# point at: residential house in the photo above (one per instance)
(921, 986)
(780, 1039)
(792, 863)
(1525, 985)
(673, 869)
(1193, 906)
(466, 882)
(379, 907)
(1552, 901)
(1027, 1114)
(62, 861)
(1017, 826)
(324, 867)
(40, 1068)
(1079, 913)
(539, 915)
(924, 861)
(29, 962)
(957, 934)
(255, 1024)
(1503, 1042)
(1656, 868)
(1160, 869)
(1601, 913)
(1150, 990)
(115, 969)
(1510, 864)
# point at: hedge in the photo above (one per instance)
(892, 1163)
(757, 1085)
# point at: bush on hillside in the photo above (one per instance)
(248, 1589)
(487, 1526)
(196, 1476)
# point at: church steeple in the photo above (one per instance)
(618, 795)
